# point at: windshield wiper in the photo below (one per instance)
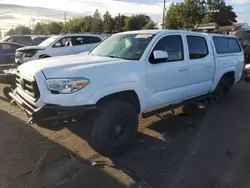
(112, 56)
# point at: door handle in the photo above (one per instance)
(209, 66)
(182, 69)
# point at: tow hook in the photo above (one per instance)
(13, 103)
(30, 121)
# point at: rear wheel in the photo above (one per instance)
(222, 89)
(114, 127)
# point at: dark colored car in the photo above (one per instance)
(7, 51)
(20, 39)
(37, 40)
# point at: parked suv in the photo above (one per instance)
(38, 40)
(138, 72)
(58, 46)
(20, 39)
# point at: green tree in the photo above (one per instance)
(53, 28)
(88, 24)
(174, 16)
(193, 13)
(224, 17)
(19, 30)
(150, 25)
(187, 14)
(108, 23)
(119, 22)
(136, 22)
(97, 24)
(22, 30)
(10, 32)
(76, 25)
(39, 29)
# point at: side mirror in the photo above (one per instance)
(58, 44)
(160, 55)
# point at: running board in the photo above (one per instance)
(174, 106)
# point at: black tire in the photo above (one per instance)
(222, 89)
(6, 92)
(114, 128)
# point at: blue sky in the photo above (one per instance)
(28, 12)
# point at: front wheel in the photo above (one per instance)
(114, 127)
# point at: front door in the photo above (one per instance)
(167, 79)
(201, 66)
(63, 47)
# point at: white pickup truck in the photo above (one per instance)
(138, 72)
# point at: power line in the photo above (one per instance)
(65, 17)
(163, 16)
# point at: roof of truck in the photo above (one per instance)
(162, 31)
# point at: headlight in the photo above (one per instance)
(30, 53)
(66, 86)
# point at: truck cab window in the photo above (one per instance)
(172, 45)
(197, 47)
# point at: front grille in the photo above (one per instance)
(29, 87)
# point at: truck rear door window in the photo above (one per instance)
(226, 45)
(197, 47)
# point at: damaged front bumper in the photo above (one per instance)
(49, 112)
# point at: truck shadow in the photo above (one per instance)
(160, 147)
(30, 159)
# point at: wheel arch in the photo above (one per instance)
(44, 55)
(126, 95)
(230, 73)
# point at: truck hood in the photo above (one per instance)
(65, 66)
(27, 48)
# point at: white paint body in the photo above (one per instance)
(155, 84)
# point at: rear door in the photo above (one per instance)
(94, 41)
(201, 65)
(81, 44)
(85, 43)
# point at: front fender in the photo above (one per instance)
(139, 89)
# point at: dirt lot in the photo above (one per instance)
(209, 148)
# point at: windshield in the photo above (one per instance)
(48, 41)
(124, 46)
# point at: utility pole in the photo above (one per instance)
(65, 17)
(163, 16)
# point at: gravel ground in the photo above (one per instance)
(207, 148)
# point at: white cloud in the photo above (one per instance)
(81, 6)
(45, 9)
(238, 1)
